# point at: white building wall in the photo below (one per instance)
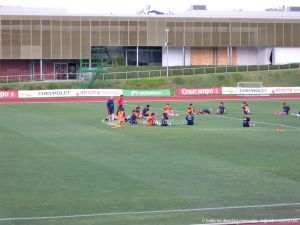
(247, 56)
(264, 56)
(176, 56)
(187, 56)
(286, 55)
(253, 56)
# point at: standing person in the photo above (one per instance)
(110, 106)
(189, 119)
(221, 108)
(120, 101)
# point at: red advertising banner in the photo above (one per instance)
(8, 94)
(199, 91)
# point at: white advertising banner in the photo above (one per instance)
(253, 91)
(229, 91)
(260, 91)
(47, 93)
(98, 92)
(61, 93)
(285, 90)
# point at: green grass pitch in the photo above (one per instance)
(61, 160)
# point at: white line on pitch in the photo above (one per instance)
(235, 222)
(272, 124)
(149, 212)
(232, 118)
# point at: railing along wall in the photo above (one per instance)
(149, 73)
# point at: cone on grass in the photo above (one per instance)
(280, 130)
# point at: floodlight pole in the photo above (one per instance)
(167, 45)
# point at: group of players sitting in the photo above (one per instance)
(146, 116)
(149, 118)
(246, 111)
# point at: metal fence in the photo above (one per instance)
(151, 73)
(196, 71)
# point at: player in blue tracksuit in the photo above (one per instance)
(221, 109)
(165, 120)
(285, 108)
(110, 106)
(146, 111)
(189, 119)
(246, 121)
(133, 117)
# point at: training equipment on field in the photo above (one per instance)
(173, 114)
(251, 89)
(119, 126)
(295, 114)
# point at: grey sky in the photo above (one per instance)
(123, 6)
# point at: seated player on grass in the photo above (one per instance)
(221, 109)
(121, 116)
(169, 111)
(133, 117)
(189, 119)
(146, 111)
(165, 120)
(190, 109)
(151, 120)
(138, 112)
(246, 108)
(246, 120)
(204, 111)
(285, 110)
